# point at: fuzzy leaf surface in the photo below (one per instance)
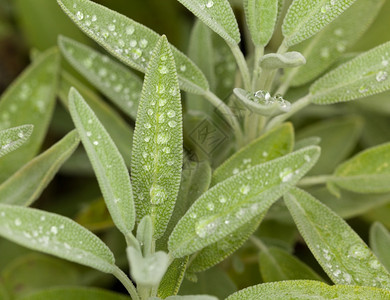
(13, 138)
(339, 250)
(282, 60)
(305, 18)
(307, 289)
(173, 277)
(107, 162)
(365, 75)
(158, 137)
(54, 234)
(380, 243)
(235, 201)
(129, 41)
(114, 80)
(27, 184)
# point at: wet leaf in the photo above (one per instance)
(380, 243)
(13, 138)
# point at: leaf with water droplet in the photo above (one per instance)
(27, 184)
(365, 75)
(129, 41)
(380, 243)
(308, 289)
(157, 151)
(119, 84)
(282, 60)
(262, 102)
(366, 172)
(218, 15)
(29, 100)
(13, 138)
(107, 162)
(248, 194)
(305, 18)
(339, 250)
(54, 234)
(323, 49)
(261, 18)
(273, 144)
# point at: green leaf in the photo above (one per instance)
(235, 201)
(365, 75)
(218, 15)
(109, 166)
(27, 184)
(282, 60)
(83, 293)
(323, 49)
(95, 215)
(305, 142)
(307, 17)
(29, 100)
(366, 172)
(277, 265)
(339, 250)
(13, 138)
(192, 297)
(261, 18)
(128, 40)
(173, 278)
(307, 289)
(145, 234)
(157, 150)
(56, 235)
(269, 146)
(380, 243)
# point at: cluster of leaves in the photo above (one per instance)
(181, 216)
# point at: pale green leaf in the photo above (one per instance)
(305, 142)
(235, 201)
(157, 150)
(269, 146)
(366, 172)
(128, 40)
(218, 15)
(365, 75)
(109, 166)
(323, 49)
(56, 235)
(380, 243)
(340, 251)
(30, 99)
(261, 18)
(307, 289)
(13, 138)
(115, 81)
(282, 60)
(307, 17)
(27, 184)
(145, 235)
(173, 278)
(192, 297)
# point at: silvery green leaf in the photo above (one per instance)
(30, 99)
(262, 102)
(305, 18)
(147, 270)
(365, 75)
(308, 289)
(339, 250)
(107, 162)
(119, 84)
(218, 15)
(145, 234)
(366, 172)
(192, 297)
(173, 277)
(129, 41)
(13, 138)
(27, 184)
(56, 235)
(269, 146)
(157, 150)
(235, 201)
(282, 60)
(380, 243)
(261, 18)
(323, 49)
(305, 142)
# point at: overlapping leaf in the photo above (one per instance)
(13, 138)
(128, 40)
(380, 243)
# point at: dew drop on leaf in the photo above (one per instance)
(381, 76)
(157, 194)
(205, 227)
(359, 251)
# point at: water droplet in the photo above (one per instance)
(385, 62)
(222, 199)
(347, 278)
(79, 15)
(363, 89)
(381, 76)
(340, 47)
(129, 30)
(205, 227)
(18, 222)
(163, 70)
(183, 68)
(116, 200)
(375, 264)
(265, 154)
(54, 230)
(147, 139)
(172, 124)
(166, 150)
(324, 52)
(111, 27)
(150, 112)
(95, 143)
(210, 206)
(161, 118)
(286, 174)
(171, 113)
(339, 32)
(307, 158)
(162, 102)
(336, 273)
(209, 4)
(157, 194)
(235, 171)
(163, 58)
(162, 138)
(193, 215)
(143, 43)
(93, 18)
(43, 218)
(147, 125)
(137, 53)
(21, 135)
(359, 251)
(245, 189)
(102, 72)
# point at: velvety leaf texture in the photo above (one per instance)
(128, 40)
(13, 138)
(56, 235)
(380, 243)
(157, 150)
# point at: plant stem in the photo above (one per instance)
(259, 51)
(242, 65)
(314, 180)
(122, 277)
